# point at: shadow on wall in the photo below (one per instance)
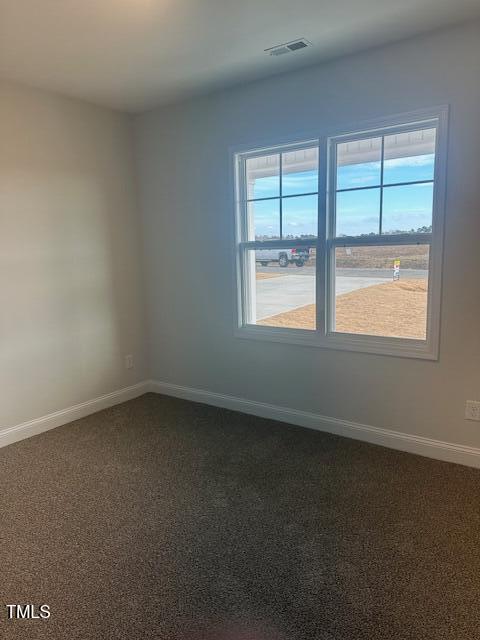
(60, 313)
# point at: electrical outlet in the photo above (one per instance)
(129, 362)
(472, 410)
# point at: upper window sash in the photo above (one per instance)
(274, 200)
(373, 187)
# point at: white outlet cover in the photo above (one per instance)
(129, 362)
(472, 410)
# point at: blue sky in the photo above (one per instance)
(404, 207)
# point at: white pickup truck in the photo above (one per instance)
(283, 256)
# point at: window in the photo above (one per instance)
(339, 239)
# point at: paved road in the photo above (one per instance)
(357, 273)
(297, 287)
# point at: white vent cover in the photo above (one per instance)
(288, 47)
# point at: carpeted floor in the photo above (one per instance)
(165, 519)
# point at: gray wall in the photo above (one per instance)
(182, 153)
(70, 280)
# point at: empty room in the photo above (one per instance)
(239, 320)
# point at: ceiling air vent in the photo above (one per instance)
(288, 47)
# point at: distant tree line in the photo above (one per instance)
(311, 236)
(396, 232)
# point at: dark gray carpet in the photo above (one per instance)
(166, 519)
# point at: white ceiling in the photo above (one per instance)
(136, 54)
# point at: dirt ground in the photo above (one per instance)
(262, 275)
(396, 309)
(382, 257)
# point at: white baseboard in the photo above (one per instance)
(447, 451)
(59, 418)
(438, 449)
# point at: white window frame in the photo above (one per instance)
(323, 336)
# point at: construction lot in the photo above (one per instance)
(396, 309)
(368, 300)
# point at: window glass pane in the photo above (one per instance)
(408, 209)
(359, 163)
(300, 171)
(263, 176)
(282, 287)
(299, 217)
(382, 290)
(264, 219)
(358, 212)
(409, 156)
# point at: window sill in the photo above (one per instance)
(397, 347)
